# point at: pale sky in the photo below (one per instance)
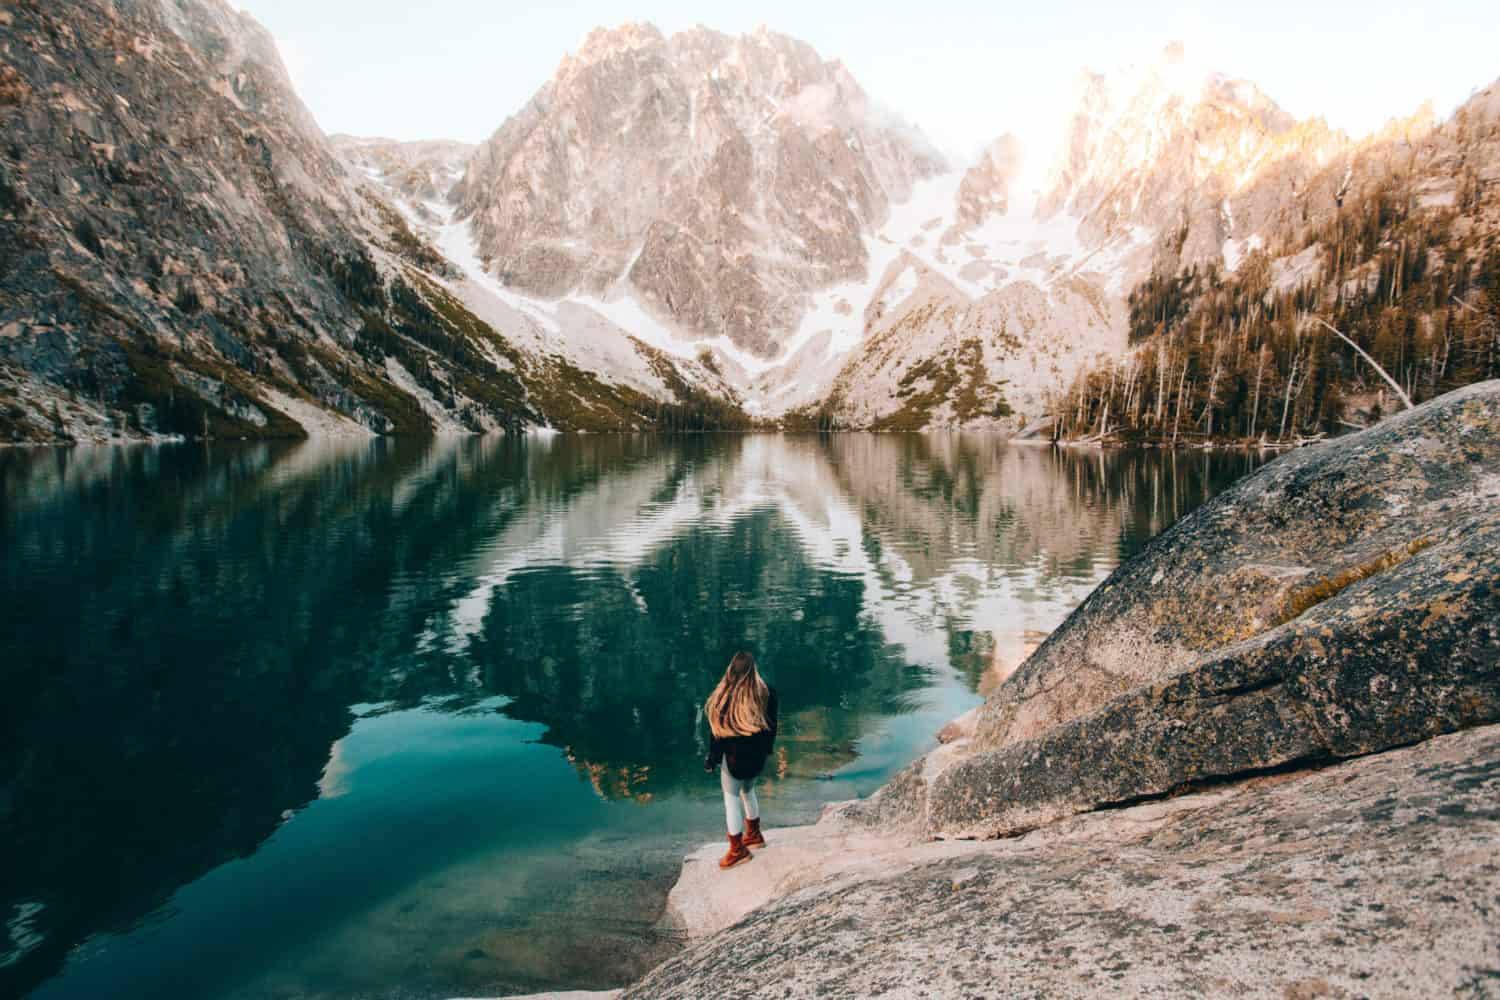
(964, 72)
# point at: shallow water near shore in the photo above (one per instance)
(419, 718)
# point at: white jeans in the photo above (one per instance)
(739, 800)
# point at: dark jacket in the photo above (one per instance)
(745, 755)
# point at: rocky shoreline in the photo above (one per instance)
(1261, 759)
(1375, 877)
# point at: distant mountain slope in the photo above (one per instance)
(421, 171)
(1034, 289)
(1394, 242)
(182, 252)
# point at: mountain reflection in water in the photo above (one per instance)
(336, 718)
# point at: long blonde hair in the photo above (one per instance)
(737, 706)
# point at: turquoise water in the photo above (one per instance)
(419, 719)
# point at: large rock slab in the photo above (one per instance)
(706, 900)
(1407, 654)
(1375, 877)
(1343, 600)
(1249, 559)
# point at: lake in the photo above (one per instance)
(402, 718)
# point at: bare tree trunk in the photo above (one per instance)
(1286, 404)
(1373, 364)
(1213, 386)
(1400, 269)
(1177, 416)
(1161, 380)
(1260, 368)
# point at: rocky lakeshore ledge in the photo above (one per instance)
(1378, 877)
(1262, 759)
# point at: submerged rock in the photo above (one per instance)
(1342, 600)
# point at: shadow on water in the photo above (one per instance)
(418, 718)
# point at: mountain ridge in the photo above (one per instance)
(765, 243)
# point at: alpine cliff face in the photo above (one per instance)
(985, 188)
(168, 185)
(740, 175)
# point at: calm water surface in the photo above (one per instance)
(420, 719)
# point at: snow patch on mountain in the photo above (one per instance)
(1235, 250)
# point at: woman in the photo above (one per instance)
(742, 726)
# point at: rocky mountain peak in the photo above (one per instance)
(601, 43)
(985, 188)
(1125, 122)
(745, 173)
(1162, 151)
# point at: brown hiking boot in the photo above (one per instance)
(752, 834)
(736, 852)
